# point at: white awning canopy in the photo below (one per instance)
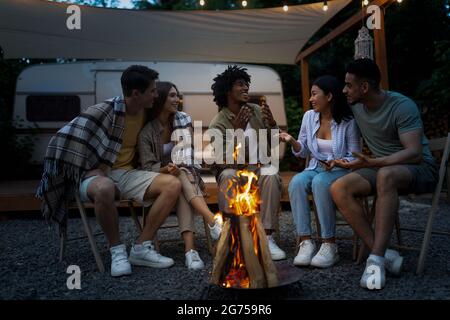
(37, 29)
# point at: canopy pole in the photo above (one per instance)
(380, 52)
(304, 70)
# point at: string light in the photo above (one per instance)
(202, 2)
(285, 8)
(366, 2)
(244, 3)
(325, 6)
(399, 1)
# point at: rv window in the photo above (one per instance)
(52, 108)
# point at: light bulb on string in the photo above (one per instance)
(285, 8)
(202, 2)
(325, 6)
(244, 3)
(366, 2)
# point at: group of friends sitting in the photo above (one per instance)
(123, 148)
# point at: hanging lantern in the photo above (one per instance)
(363, 44)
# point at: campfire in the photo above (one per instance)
(242, 258)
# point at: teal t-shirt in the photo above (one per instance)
(381, 128)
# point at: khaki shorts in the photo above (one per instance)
(133, 184)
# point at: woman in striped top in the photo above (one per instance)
(328, 133)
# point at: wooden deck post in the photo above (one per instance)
(380, 52)
(304, 70)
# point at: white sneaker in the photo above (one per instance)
(393, 261)
(326, 256)
(193, 260)
(305, 253)
(120, 266)
(275, 251)
(215, 230)
(374, 276)
(145, 255)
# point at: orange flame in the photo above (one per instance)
(245, 201)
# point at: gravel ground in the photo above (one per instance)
(29, 268)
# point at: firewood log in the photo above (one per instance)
(222, 251)
(254, 269)
(270, 270)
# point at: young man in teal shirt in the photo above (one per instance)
(391, 126)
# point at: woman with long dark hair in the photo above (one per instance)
(159, 152)
(328, 133)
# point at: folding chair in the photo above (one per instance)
(444, 171)
(87, 229)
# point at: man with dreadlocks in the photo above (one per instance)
(230, 90)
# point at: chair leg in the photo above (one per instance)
(88, 231)
(134, 216)
(398, 230)
(355, 246)
(426, 240)
(62, 248)
(208, 237)
(63, 239)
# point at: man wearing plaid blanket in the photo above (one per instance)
(95, 155)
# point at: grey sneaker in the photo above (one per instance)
(306, 250)
(326, 256)
(193, 260)
(275, 251)
(374, 276)
(393, 262)
(215, 230)
(120, 266)
(146, 255)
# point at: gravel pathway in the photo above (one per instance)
(29, 268)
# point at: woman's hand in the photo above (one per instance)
(330, 164)
(285, 137)
(173, 169)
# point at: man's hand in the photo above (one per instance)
(267, 116)
(242, 118)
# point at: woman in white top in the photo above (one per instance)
(156, 149)
(328, 133)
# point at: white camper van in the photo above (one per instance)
(50, 95)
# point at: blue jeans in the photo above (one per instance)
(317, 181)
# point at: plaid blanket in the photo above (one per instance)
(182, 124)
(92, 139)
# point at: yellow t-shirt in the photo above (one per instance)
(126, 157)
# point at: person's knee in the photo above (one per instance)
(298, 183)
(386, 180)
(228, 174)
(339, 189)
(104, 190)
(320, 184)
(173, 186)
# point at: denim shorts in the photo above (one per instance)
(83, 188)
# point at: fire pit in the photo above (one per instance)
(242, 259)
